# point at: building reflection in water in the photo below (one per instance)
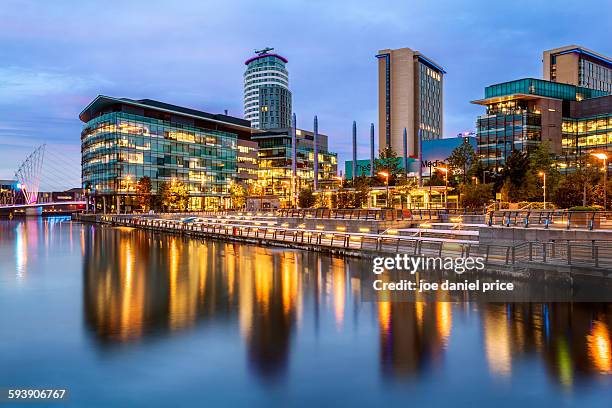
(413, 335)
(25, 240)
(571, 339)
(138, 284)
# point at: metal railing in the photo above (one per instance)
(588, 253)
(588, 220)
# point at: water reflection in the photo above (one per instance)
(139, 285)
(23, 242)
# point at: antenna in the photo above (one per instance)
(264, 51)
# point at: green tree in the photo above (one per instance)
(306, 198)
(437, 178)
(387, 162)
(323, 200)
(238, 194)
(514, 175)
(344, 198)
(598, 194)
(541, 160)
(569, 192)
(587, 175)
(143, 191)
(461, 160)
(174, 196)
(476, 196)
(362, 191)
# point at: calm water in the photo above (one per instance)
(128, 318)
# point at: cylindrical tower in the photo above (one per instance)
(267, 99)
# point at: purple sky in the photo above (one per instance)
(56, 56)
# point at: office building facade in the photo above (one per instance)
(267, 98)
(410, 96)
(578, 66)
(275, 162)
(586, 130)
(522, 114)
(124, 140)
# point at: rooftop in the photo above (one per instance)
(580, 50)
(532, 88)
(247, 62)
(101, 102)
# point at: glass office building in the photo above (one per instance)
(275, 162)
(267, 99)
(522, 114)
(587, 131)
(124, 140)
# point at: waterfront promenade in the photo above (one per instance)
(455, 239)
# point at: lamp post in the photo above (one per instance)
(604, 157)
(386, 176)
(445, 171)
(543, 175)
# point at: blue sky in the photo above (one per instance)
(56, 56)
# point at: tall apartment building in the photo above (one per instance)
(410, 96)
(578, 66)
(267, 99)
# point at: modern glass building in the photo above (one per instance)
(587, 130)
(124, 140)
(267, 99)
(523, 113)
(275, 162)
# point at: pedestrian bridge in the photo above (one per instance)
(37, 209)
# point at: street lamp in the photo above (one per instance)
(604, 157)
(543, 175)
(386, 176)
(445, 171)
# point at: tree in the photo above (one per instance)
(514, 174)
(461, 159)
(541, 160)
(238, 195)
(404, 187)
(569, 192)
(306, 198)
(437, 178)
(476, 196)
(387, 162)
(362, 191)
(342, 198)
(174, 196)
(323, 201)
(143, 191)
(587, 175)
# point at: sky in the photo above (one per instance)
(56, 56)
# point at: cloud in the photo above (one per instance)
(18, 83)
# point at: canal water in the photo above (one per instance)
(122, 317)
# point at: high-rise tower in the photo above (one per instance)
(410, 94)
(267, 99)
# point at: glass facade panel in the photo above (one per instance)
(119, 148)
